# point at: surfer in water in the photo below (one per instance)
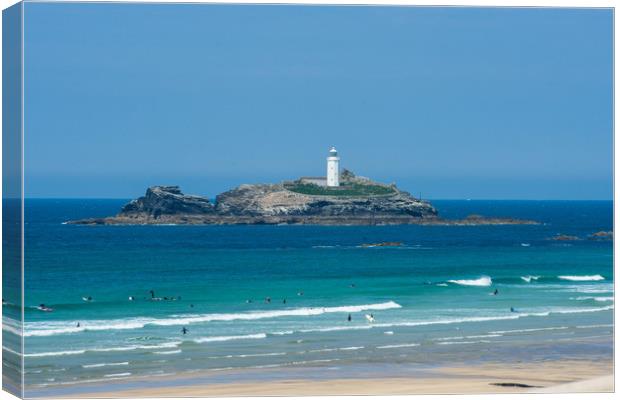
(153, 298)
(370, 318)
(512, 309)
(300, 293)
(184, 330)
(78, 325)
(87, 298)
(43, 307)
(284, 301)
(349, 318)
(131, 298)
(495, 292)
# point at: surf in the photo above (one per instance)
(482, 281)
(68, 327)
(582, 277)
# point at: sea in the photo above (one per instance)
(136, 306)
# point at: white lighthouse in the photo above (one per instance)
(332, 168)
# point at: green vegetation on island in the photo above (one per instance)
(345, 189)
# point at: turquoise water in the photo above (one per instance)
(431, 298)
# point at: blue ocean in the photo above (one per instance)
(125, 304)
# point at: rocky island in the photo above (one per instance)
(355, 201)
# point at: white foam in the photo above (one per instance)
(168, 352)
(115, 375)
(582, 277)
(482, 281)
(594, 326)
(529, 278)
(491, 334)
(11, 351)
(105, 349)
(466, 342)
(55, 353)
(227, 338)
(552, 328)
(247, 355)
(601, 299)
(397, 346)
(104, 365)
(327, 350)
(582, 310)
(68, 327)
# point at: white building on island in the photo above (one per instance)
(333, 178)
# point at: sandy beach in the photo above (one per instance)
(549, 377)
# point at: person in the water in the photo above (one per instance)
(512, 309)
(349, 318)
(184, 330)
(495, 292)
(284, 301)
(78, 325)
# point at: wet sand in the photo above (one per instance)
(547, 377)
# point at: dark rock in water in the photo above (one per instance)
(167, 200)
(602, 235)
(275, 204)
(564, 238)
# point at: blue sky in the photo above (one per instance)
(451, 102)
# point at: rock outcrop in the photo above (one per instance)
(278, 204)
(167, 200)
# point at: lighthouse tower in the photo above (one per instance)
(332, 168)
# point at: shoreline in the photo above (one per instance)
(545, 377)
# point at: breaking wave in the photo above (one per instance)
(582, 277)
(68, 327)
(482, 281)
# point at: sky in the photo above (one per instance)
(452, 103)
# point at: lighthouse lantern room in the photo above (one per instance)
(332, 168)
